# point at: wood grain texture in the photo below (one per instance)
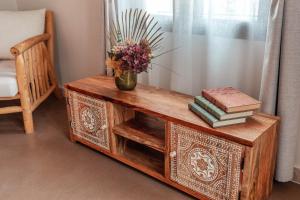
(138, 132)
(145, 156)
(135, 118)
(49, 28)
(25, 94)
(118, 115)
(122, 114)
(10, 109)
(67, 96)
(168, 150)
(259, 166)
(27, 44)
(170, 106)
(110, 120)
(10, 98)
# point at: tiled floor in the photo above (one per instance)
(47, 165)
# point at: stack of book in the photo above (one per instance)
(224, 106)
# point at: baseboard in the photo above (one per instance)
(296, 178)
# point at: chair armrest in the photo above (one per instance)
(27, 44)
(35, 73)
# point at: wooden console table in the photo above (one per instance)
(153, 131)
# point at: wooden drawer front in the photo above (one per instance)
(89, 119)
(204, 163)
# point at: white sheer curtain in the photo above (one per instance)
(216, 43)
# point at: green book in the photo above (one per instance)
(210, 119)
(217, 112)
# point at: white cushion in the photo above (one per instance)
(8, 79)
(17, 26)
(7, 68)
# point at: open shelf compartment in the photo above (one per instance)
(141, 155)
(143, 129)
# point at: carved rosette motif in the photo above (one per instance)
(205, 163)
(202, 164)
(89, 119)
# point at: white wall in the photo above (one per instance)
(8, 5)
(80, 35)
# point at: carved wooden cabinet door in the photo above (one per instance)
(204, 163)
(89, 119)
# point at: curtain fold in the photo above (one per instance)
(289, 93)
(270, 72)
(281, 82)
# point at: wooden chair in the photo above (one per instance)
(35, 73)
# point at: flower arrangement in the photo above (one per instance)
(133, 39)
(131, 56)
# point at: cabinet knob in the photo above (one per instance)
(72, 124)
(103, 127)
(173, 154)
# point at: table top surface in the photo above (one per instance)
(172, 106)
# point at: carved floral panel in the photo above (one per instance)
(89, 119)
(205, 163)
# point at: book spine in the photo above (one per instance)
(208, 108)
(202, 113)
(214, 101)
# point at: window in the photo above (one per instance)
(224, 18)
(160, 7)
(241, 10)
